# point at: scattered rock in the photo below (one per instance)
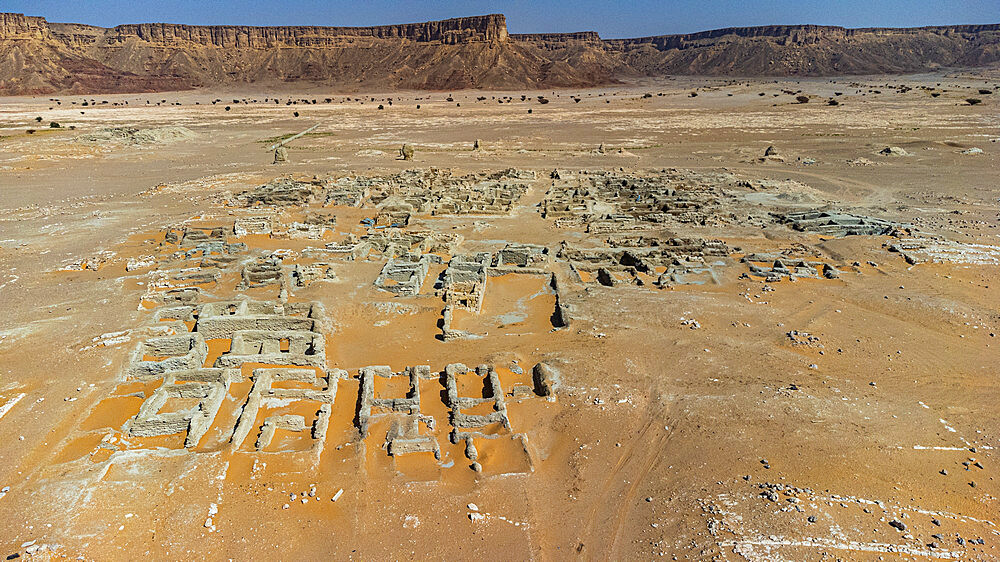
(894, 151)
(406, 152)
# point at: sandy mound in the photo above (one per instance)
(133, 136)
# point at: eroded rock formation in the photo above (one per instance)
(470, 52)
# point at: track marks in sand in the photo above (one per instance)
(616, 497)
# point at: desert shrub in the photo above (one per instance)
(802, 99)
(54, 125)
(973, 101)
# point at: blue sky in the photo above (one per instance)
(609, 18)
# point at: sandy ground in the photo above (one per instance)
(721, 440)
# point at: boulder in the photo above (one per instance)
(406, 152)
(894, 151)
(546, 379)
(280, 155)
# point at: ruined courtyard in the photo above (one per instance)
(630, 323)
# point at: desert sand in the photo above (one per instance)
(679, 359)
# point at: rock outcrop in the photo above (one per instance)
(40, 57)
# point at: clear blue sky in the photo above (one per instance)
(610, 18)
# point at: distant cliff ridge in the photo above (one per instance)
(574, 36)
(39, 57)
(13, 25)
(790, 34)
(451, 32)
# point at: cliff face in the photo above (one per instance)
(450, 32)
(797, 34)
(809, 50)
(21, 26)
(37, 56)
(588, 36)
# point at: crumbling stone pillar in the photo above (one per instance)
(280, 155)
(406, 152)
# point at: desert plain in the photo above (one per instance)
(678, 318)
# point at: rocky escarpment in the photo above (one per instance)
(811, 50)
(20, 25)
(449, 32)
(787, 50)
(37, 56)
(586, 36)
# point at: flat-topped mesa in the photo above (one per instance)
(453, 54)
(588, 36)
(19, 25)
(790, 34)
(489, 28)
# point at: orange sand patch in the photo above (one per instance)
(112, 412)
(502, 455)
(391, 387)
